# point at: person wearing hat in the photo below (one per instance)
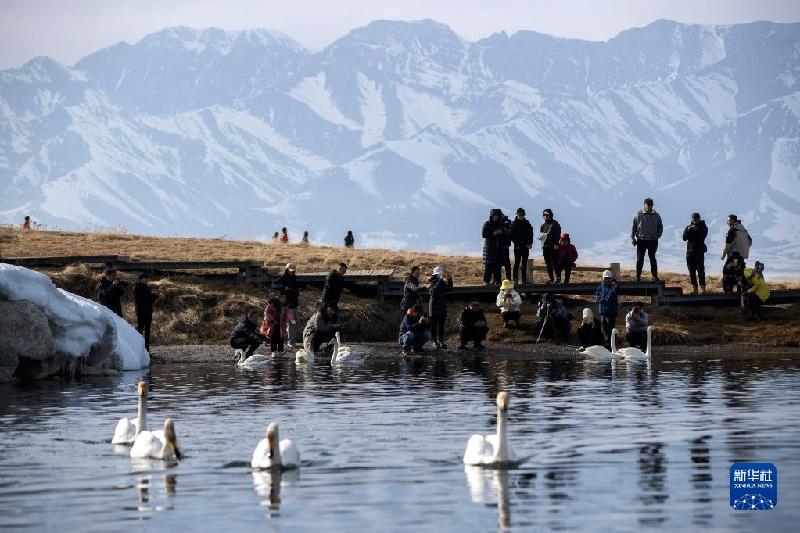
(110, 291)
(607, 305)
(566, 256)
(695, 236)
(590, 332)
(414, 330)
(287, 283)
(496, 233)
(737, 240)
(410, 290)
(646, 229)
(472, 326)
(522, 237)
(143, 299)
(549, 235)
(439, 285)
(509, 302)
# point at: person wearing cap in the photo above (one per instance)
(439, 284)
(549, 235)
(756, 292)
(334, 283)
(414, 330)
(110, 291)
(143, 299)
(287, 283)
(607, 305)
(522, 237)
(410, 290)
(509, 302)
(646, 229)
(566, 256)
(472, 326)
(695, 236)
(636, 324)
(737, 239)
(590, 332)
(496, 233)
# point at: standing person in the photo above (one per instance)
(695, 236)
(439, 285)
(590, 332)
(472, 326)
(607, 305)
(756, 292)
(244, 336)
(143, 299)
(414, 330)
(737, 240)
(645, 232)
(566, 257)
(110, 291)
(494, 233)
(636, 323)
(522, 237)
(287, 283)
(26, 224)
(304, 240)
(321, 328)
(276, 318)
(275, 238)
(505, 245)
(284, 236)
(334, 283)
(410, 290)
(349, 240)
(549, 234)
(509, 302)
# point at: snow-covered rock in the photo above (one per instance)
(79, 327)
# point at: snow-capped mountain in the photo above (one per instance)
(407, 134)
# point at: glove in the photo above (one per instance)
(633, 242)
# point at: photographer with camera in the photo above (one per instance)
(553, 321)
(414, 331)
(110, 291)
(472, 326)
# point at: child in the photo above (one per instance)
(275, 324)
(566, 256)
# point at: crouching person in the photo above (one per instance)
(756, 292)
(590, 332)
(414, 330)
(244, 336)
(472, 326)
(509, 302)
(321, 329)
(552, 319)
(636, 323)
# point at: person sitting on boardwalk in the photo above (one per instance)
(509, 302)
(549, 233)
(414, 330)
(276, 318)
(646, 229)
(636, 323)
(495, 232)
(349, 240)
(26, 224)
(334, 283)
(321, 329)
(607, 305)
(143, 299)
(287, 283)
(522, 237)
(566, 256)
(472, 325)
(695, 236)
(590, 332)
(304, 241)
(439, 285)
(244, 336)
(410, 290)
(756, 293)
(552, 319)
(110, 291)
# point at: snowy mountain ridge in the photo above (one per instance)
(407, 134)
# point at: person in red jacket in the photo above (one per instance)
(284, 236)
(275, 324)
(566, 256)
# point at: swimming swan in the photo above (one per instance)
(273, 452)
(253, 362)
(304, 356)
(127, 429)
(158, 444)
(630, 353)
(597, 352)
(344, 355)
(491, 449)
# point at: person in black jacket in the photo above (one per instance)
(143, 299)
(110, 291)
(244, 336)
(414, 330)
(522, 237)
(549, 234)
(349, 240)
(410, 290)
(695, 236)
(287, 283)
(496, 233)
(473, 326)
(334, 283)
(438, 286)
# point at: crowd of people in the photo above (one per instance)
(282, 237)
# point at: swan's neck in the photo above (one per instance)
(141, 414)
(276, 454)
(649, 342)
(501, 453)
(614, 341)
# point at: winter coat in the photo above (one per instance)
(333, 287)
(110, 295)
(246, 329)
(288, 284)
(469, 317)
(275, 314)
(410, 292)
(695, 237)
(590, 333)
(495, 245)
(521, 233)
(758, 286)
(411, 324)
(647, 226)
(319, 329)
(349, 241)
(634, 325)
(566, 253)
(606, 298)
(737, 240)
(143, 298)
(438, 288)
(511, 305)
(553, 231)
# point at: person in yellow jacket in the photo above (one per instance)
(757, 292)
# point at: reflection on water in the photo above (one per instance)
(608, 446)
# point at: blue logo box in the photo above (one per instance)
(754, 486)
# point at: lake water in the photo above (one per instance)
(607, 448)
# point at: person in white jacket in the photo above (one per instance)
(509, 301)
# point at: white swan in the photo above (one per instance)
(253, 362)
(273, 452)
(304, 356)
(631, 353)
(127, 429)
(491, 449)
(344, 355)
(597, 352)
(158, 444)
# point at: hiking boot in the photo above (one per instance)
(655, 277)
(703, 289)
(638, 278)
(694, 289)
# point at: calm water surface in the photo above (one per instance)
(620, 448)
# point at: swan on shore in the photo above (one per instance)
(128, 428)
(253, 362)
(272, 452)
(158, 444)
(491, 450)
(344, 355)
(632, 353)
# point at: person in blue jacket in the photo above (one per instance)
(607, 305)
(414, 331)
